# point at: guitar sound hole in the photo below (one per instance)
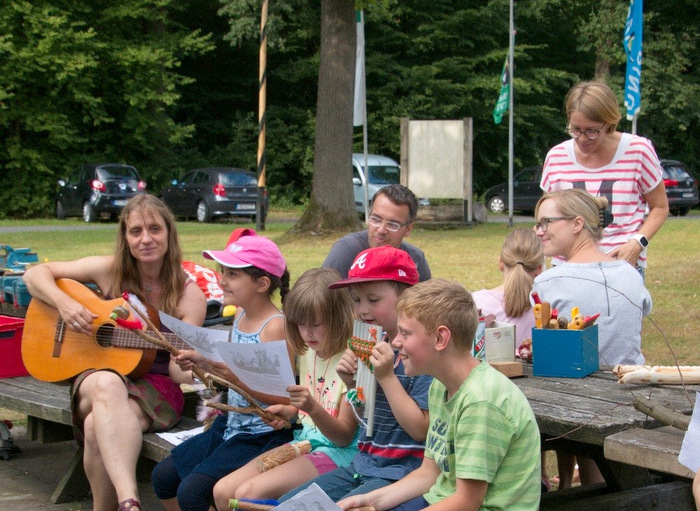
(104, 335)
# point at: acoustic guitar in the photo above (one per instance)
(52, 351)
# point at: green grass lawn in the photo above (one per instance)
(465, 254)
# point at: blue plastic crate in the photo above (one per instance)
(20, 294)
(564, 353)
(7, 287)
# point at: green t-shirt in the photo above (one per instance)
(487, 432)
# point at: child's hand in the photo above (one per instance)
(188, 359)
(382, 360)
(301, 398)
(355, 501)
(346, 368)
(285, 411)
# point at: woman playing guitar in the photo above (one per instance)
(111, 412)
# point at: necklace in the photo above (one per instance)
(318, 384)
(149, 287)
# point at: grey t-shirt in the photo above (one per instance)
(613, 289)
(344, 251)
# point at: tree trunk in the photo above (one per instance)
(331, 207)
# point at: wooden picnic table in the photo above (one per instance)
(583, 415)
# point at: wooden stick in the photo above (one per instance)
(243, 505)
(224, 407)
(660, 412)
(257, 409)
(163, 343)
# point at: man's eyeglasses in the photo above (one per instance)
(376, 221)
(591, 133)
(545, 221)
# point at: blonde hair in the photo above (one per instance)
(522, 253)
(126, 274)
(437, 302)
(579, 203)
(596, 101)
(310, 301)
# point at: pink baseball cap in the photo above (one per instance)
(250, 251)
(380, 263)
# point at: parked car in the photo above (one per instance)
(213, 192)
(99, 189)
(383, 171)
(681, 187)
(526, 192)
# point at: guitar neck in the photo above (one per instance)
(127, 339)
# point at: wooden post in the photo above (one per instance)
(262, 117)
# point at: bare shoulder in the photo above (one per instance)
(274, 330)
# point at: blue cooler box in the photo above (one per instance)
(564, 353)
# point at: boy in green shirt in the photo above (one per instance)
(483, 445)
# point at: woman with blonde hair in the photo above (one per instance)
(605, 162)
(520, 261)
(570, 223)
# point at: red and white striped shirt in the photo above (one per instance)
(633, 172)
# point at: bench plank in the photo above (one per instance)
(47, 406)
(655, 449)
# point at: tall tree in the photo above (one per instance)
(332, 206)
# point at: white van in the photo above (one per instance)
(383, 171)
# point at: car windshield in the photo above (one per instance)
(384, 175)
(237, 179)
(105, 173)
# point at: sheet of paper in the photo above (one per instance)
(264, 367)
(312, 498)
(204, 340)
(690, 449)
(176, 438)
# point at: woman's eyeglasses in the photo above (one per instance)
(545, 221)
(591, 133)
(375, 221)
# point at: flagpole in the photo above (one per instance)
(511, 47)
(361, 98)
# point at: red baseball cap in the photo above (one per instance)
(380, 263)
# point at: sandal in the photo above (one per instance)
(129, 505)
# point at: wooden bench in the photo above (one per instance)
(656, 449)
(47, 406)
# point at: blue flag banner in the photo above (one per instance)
(633, 49)
(504, 97)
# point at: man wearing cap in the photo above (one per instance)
(391, 219)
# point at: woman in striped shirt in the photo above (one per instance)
(622, 167)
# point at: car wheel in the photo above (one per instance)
(203, 212)
(89, 214)
(60, 212)
(683, 211)
(496, 204)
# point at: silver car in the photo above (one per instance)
(383, 172)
